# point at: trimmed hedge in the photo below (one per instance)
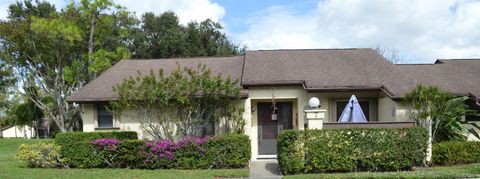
(77, 151)
(342, 150)
(450, 153)
(228, 151)
(101, 150)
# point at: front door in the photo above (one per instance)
(269, 128)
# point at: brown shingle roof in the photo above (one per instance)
(323, 69)
(100, 89)
(316, 70)
(459, 76)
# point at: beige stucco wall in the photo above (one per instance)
(127, 121)
(387, 110)
(88, 117)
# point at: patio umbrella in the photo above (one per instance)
(352, 112)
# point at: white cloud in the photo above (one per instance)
(186, 10)
(422, 30)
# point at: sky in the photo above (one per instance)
(420, 31)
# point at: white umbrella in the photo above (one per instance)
(352, 112)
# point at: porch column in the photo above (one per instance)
(315, 118)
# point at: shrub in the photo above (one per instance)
(107, 150)
(190, 153)
(159, 154)
(77, 151)
(450, 153)
(290, 152)
(40, 155)
(228, 151)
(131, 154)
(337, 150)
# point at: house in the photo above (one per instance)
(293, 77)
(17, 131)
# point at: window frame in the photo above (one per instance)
(373, 108)
(98, 107)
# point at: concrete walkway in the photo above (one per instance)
(265, 169)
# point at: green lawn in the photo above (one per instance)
(460, 171)
(10, 168)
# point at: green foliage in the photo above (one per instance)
(314, 151)
(59, 51)
(40, 155)
(455, 152)
(130, 154)
(49, 52)
(78, 152)
(163, 37)
(11, 168)
(225, 151)
(228, 151)
(180, 102)
(7, 81)
(24, 113)
(190, 157)
(444, 110)
(291, 151)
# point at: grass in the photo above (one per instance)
(10, 168)
(459, 171)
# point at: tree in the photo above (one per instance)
(7, 81)
(443, 108)
(47, 50)
(438, 111)
(390, 53)
(179, 104)
(53, 53)
(163, 37)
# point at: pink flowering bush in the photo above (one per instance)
(230, 151)
(107, 149)
(106, 144)
(166, 154)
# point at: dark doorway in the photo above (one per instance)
(269, 128)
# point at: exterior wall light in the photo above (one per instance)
(314, 102)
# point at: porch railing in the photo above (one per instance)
(376, 124)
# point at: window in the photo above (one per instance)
(104, 117)
(366, 106)
(208, 128)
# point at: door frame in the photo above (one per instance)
(255, 123)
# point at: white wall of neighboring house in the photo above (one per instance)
(18, 131)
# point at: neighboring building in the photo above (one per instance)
(17, 131)
(293, 77)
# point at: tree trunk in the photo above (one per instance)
(38, 123)
(91, 43)
(428, 159)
